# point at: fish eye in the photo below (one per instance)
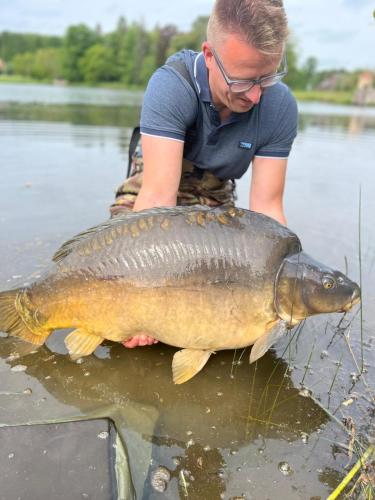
(328, 282)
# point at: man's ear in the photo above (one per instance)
(207, 54)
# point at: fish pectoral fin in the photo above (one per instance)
(187, 363)
(267, 340)
(82, 343)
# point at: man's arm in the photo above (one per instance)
(162, 159)
(267, 187)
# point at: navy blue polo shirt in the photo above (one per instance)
(173, 108)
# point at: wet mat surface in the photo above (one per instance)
(59, 461)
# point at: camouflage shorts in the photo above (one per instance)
(197, 187)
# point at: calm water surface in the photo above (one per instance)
(228, 432)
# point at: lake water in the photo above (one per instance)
(229, 432)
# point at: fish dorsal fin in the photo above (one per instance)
(187, 363)
(120, 225)
(267, 340)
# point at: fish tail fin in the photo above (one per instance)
(15, 323)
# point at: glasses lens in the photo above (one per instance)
(271, 80)
(238, 87)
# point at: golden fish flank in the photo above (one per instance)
(190, 302)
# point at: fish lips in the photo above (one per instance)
(355, 299)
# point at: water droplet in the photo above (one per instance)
(285, 468)
(207, 447)
(92, 467)
(103, 435)
(79, 361)
(189, 433)
(233, 452)
(27, 391)
(324, 354)
(261, 451)
(18, 368)
(219, 394)
(11, 455)
(86, 374)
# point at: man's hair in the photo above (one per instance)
(260, 23)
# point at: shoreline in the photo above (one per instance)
(331, 97)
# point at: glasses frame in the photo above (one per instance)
(253, 81)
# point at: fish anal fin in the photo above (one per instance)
(187, 363)
(82, 343)
(267, 340)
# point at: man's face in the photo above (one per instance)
(240, 61)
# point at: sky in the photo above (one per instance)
(339, 33)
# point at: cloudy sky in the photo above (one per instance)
(340, 33)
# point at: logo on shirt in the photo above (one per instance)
(244, 145)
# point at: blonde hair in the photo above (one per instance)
(260, 23)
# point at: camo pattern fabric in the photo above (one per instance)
(197, 187)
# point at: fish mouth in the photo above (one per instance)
(355, 299)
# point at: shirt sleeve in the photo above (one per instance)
(170, 105)
(280, 129)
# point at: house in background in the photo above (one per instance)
(365, 93)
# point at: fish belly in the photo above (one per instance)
(212, 318)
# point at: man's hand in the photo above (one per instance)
(162, 158)
(267, 187)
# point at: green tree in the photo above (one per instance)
(47, 64)
(309, 72)
(22, 64)
(77, 40)
(134, 49)
(12, 44)
(192, 39)
(165, 35)
(98, 64)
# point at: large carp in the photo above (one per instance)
(199, 278)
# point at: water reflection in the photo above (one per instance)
(206, 432)
(77, 114)
(353, 124)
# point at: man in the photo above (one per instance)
(204, 124)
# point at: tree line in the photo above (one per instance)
(129, 54)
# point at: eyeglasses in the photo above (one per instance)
(239, 86)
